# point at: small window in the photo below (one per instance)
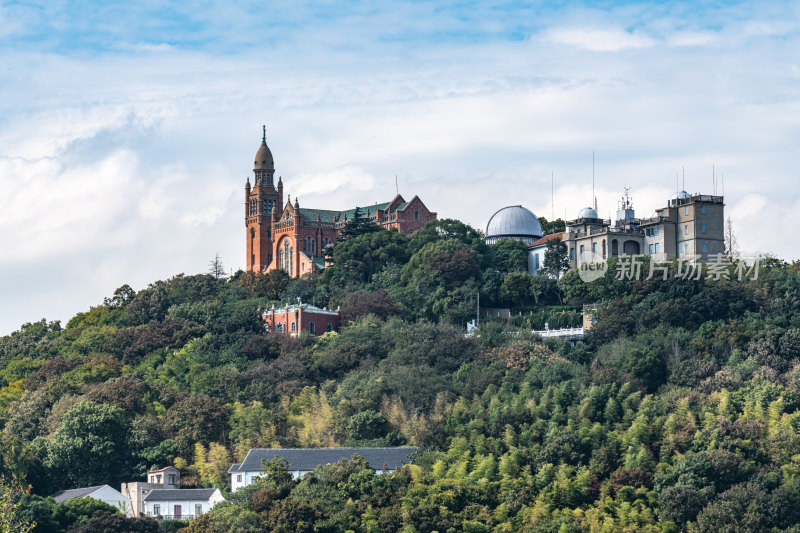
(294, 326)
(416, 215)
(572, 254)
(686, 210)
(156, 510)
(172, 479)
(686, 229)
(238, 478)
(686, 248)
(330, 327)
(198, 509)
(594, 247)
(311, 328)
(656, 247)
(536, 262)
(705, 248)
(582, 249)
(656, 230)
(280, 327)
(703, 228)
(703, 209)
(652, 249)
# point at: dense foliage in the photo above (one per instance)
(679, 412)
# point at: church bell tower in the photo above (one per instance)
(261, 199)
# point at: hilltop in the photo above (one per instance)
(679, 411)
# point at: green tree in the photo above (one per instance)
(10, 519)
(556, 260)
(90, 446)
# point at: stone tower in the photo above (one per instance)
(262, 199)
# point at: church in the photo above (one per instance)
(292, 238)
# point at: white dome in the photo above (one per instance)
(683, 195)
(588, 212)
(513, 222)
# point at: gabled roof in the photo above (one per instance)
(161, 469)
(64, 495)
(234, 468)
(547, 238)
(305, 459)
(180, 494)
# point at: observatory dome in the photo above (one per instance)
(513, 222)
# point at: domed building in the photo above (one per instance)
(513, 222)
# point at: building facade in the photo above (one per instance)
(180, 504)
(288, 237)
(104, 493)
(690, 226)
(301, 318)
(162, 478)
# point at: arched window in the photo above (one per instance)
(253, 207)
(294, 327)
(311, 328)
(330, 327)
(264, 210)
(280, 327)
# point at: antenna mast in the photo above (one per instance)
(552, 197)
(594, 198)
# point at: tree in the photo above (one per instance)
(509, 255)
(216, 268)
(555, 226)
(10, 521)
(357, 225)
(556, 260)
(90, 446)
(116, 523)
(731, 243)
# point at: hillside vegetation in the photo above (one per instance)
(679, 412)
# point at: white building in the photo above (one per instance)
(304, 460)
(162, 478)
(180, 504)
(104, 493)
(537, 251)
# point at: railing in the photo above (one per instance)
(564, 332)
(175, 517)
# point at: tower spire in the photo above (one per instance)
(264, 133)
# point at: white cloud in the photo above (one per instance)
(601, 39)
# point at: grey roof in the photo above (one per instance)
(234, 468)
(305, 459)
(514, 220)
(587, 212)
(64, 495)
(180, 494)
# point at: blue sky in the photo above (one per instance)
(126, 129)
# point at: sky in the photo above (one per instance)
(127, 129)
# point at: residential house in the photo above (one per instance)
(104, 493)
(180, 504)
(304, 460)
(162, 478)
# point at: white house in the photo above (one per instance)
(175, 504)
(163, 478)
(304, 460)
(537, 250)
(103, 493)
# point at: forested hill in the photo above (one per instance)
(678, 412)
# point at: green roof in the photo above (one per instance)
(324, 214)
(371, 208)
